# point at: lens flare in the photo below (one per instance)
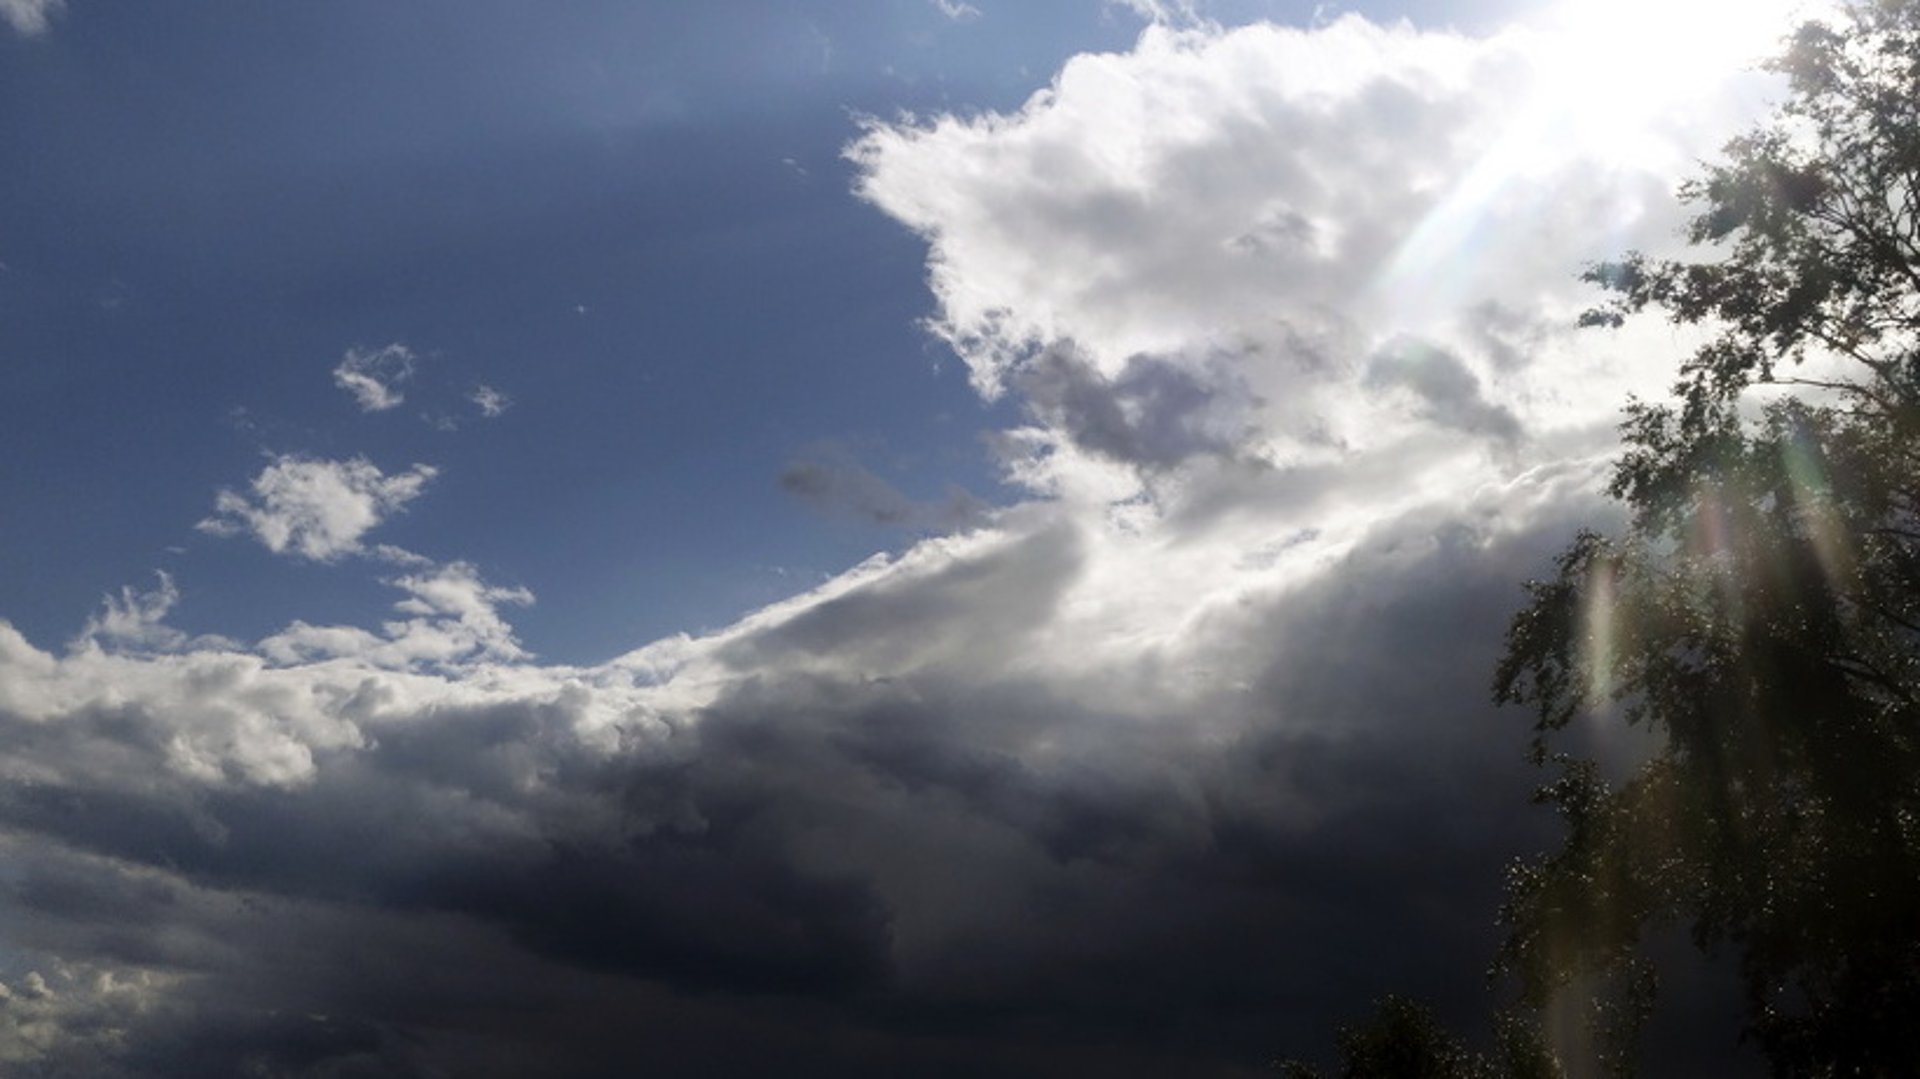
(1814, 511)
(1599, 617)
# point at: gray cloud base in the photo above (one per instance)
(939, 870)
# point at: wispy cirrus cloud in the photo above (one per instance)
(1161, 12)
(374, 376)
(315, 508)
(956, 10)
(489, 401)
(30, 17)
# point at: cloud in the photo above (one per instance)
(489, 401)
(1448, 391)
(956, 10)
(1296, 166)
(920, 798)
(1208, 243)
(1152, 413)
(829, 479)
(373, 376)
(135, 621)
(1170, 12)
(30, 17)
(454, 618)
(314, 508)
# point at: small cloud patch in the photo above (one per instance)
(315, 509)
(373, 376)
(957, 10)
(30, 18)
(830, 480)
(489, 401)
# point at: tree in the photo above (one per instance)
(1403, 1040)
(1761, 612)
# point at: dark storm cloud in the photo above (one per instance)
(943, 869)
(443, 817)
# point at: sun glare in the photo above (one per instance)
(1618, 83)
(1614, 73)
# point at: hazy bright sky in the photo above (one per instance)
(896, 534)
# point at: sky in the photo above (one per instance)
(873, 537)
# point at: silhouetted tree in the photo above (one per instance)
(1761, 613)
(1403, 1040)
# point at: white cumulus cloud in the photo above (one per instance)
(1226, 242)
(453, 617)
(315, 508)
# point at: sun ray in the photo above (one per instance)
(1612, 80)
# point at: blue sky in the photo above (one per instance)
(635, 220)
(637, 224)
(894, 532)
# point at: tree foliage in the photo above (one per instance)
(1761, 612)
(1403, 1040)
